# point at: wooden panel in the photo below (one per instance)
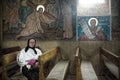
(8, 58)
(10, 66)
(115, 59)
(44, 58)
(78, 64)
(111, 56)
(10, 49)
(48, 55)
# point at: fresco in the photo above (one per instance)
(100, 32)
(41, 19)
(93, 20)
(57, 20)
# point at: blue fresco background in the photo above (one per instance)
(103, 21)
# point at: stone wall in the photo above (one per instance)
(0, 25)
(115, 22)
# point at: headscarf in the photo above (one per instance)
(27, 47)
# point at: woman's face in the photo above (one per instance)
(32, 43)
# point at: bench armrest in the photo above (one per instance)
(48, 55)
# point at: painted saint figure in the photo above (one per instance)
(26, 8)
(92, 32)
(13, 18)
(33, 22)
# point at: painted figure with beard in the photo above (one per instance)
(93, 32)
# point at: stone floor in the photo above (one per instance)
(73, 77)
(69, 77)
(102, 78)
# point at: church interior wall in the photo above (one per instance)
(89, 49)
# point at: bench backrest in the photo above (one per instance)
(115, 59)
(8, 50)
(48, 55)
(111, 56)
(78, 64)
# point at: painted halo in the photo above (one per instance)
(92, 19)
(40, 6)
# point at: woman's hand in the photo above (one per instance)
(36, 64)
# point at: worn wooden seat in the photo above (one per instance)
(87, 71)
(9, 66)
(59, 71)
(110, 64)
(84, 69)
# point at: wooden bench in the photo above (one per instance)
(110, 64)
(8, 50)
(9, 63)
(60, 69)
(84, 68)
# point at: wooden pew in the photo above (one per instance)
(110, 64)
(8, 50)
(84, 69)
(9, 63)
(78, 60)
(59, 71)
(7, 59)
